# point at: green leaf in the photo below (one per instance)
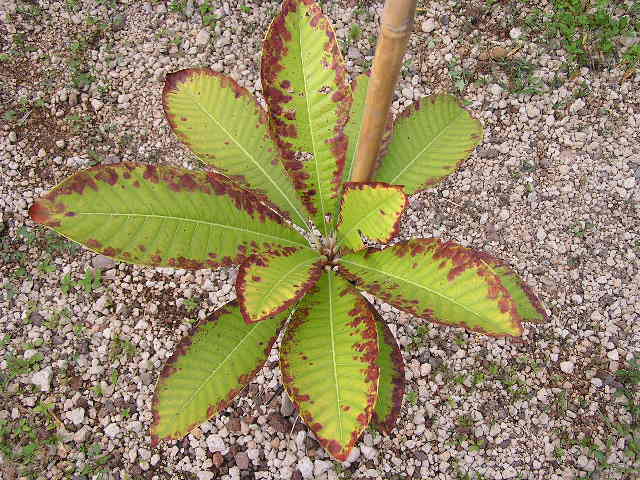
(271, 282)
(373, 209)
(223, 124)
(163, 216)
(441, 282)
(328, 362)
(305, 84)
(359, 86)
(212, 364)
(391, 387)
(431, 138)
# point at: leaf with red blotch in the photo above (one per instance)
(163, 216)
(445, 283)
(306, 85)
(329, 365)
(223, 124)
(210, 367)
(271, 282)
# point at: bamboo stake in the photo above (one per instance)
(396, 25)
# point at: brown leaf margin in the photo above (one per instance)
(273, 51)
(349, 186)
(263, 260)
(181, 350)
(369, 353)
(463, 258)
(45, 210)
(503, 270)
(386, 425)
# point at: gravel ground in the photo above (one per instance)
(554, 190)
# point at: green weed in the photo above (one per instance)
(589, 32)
(355, 32)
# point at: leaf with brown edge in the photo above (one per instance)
(373, 209)
(329, 365)
(271, 282)
(210, 367)
(431, 138)
(529, 307)
(306, 86)
(163, 216)
(391, 386)
(223, 124)
(440, 281)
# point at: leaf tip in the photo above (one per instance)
(39, 213)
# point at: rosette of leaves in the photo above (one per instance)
(277, 202)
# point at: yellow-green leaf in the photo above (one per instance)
(441, 282)
(163, 216)
(209, 368)
(373, 209)
(306, 87)
(225, 127)
(431, 138)
(271, 282)
(328, 362)
(359, 87)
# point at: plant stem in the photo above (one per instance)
(396, 26)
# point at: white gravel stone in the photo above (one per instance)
(576, 106)
(320, 467)
(76, 415)
(567, 367)
(203, 37)
(368, 452)
(96, 104)
(42, 379)
(112, 430)
(30, 353)
(532, 111)
(306, 467)
(429, 25)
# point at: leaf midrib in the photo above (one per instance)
(248, 155)
(202, 222)
(428, 145)
(307, 95)
(333, 358)
(423, 287)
